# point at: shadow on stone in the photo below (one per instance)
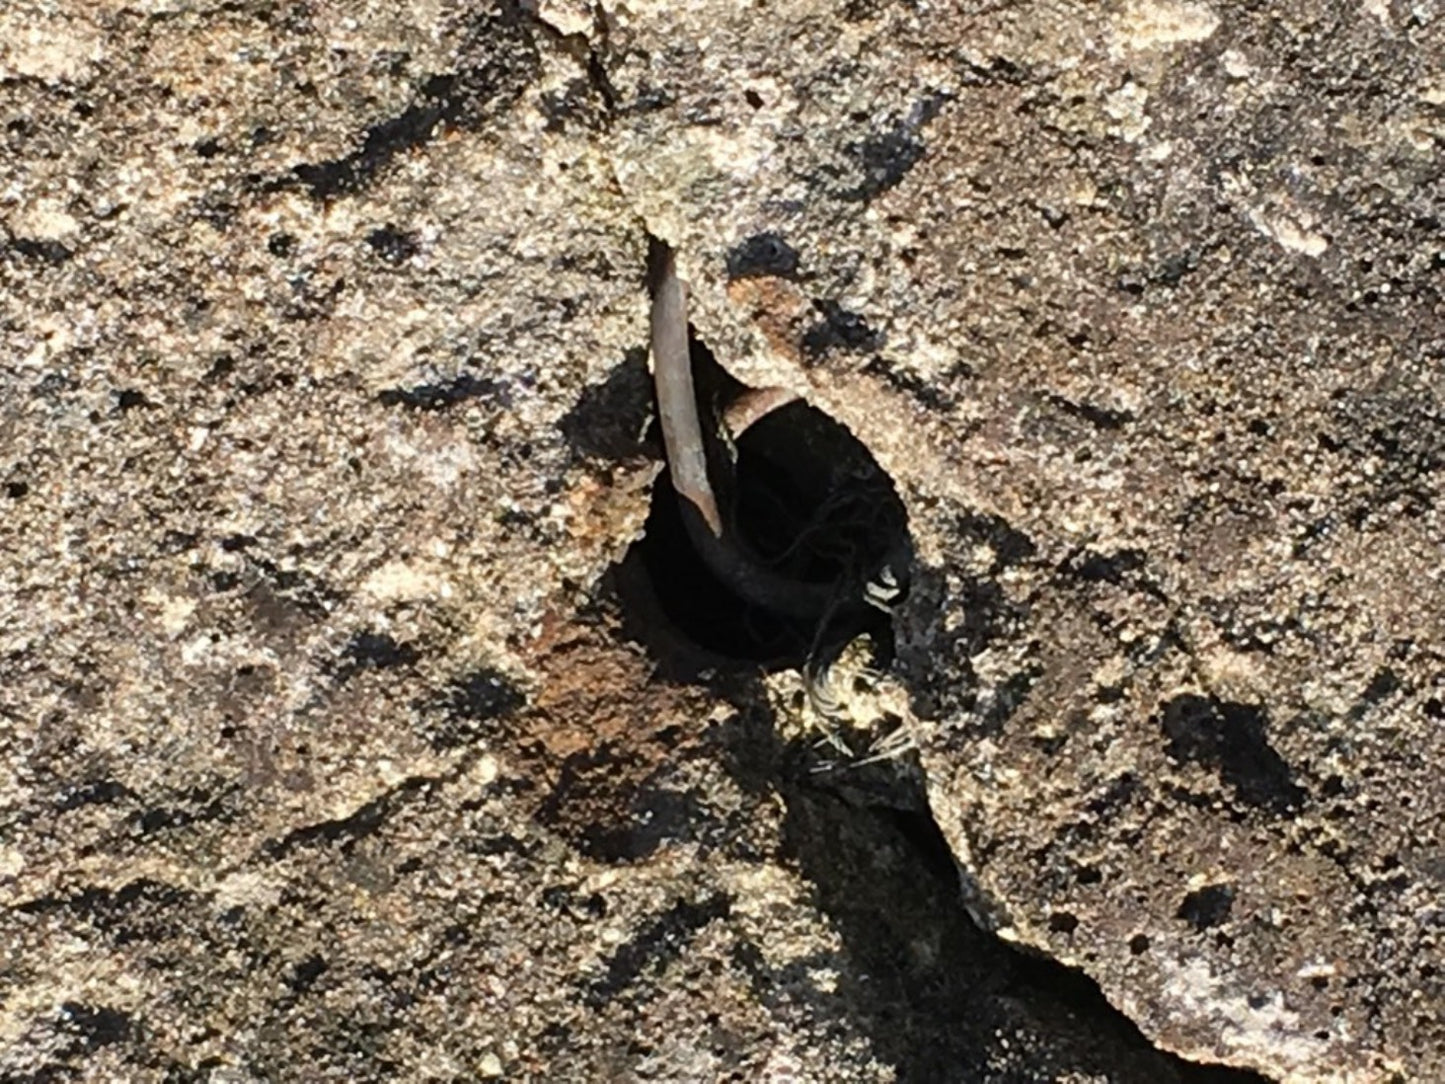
(939, 998)
(609, 419)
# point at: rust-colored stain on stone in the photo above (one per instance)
(777, 308)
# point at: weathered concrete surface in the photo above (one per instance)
(1157, 291)
(322, 401)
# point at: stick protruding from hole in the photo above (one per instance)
(714, 537)
(676, 397)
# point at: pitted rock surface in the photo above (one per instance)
(323, 412)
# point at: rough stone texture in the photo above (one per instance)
(327, 750)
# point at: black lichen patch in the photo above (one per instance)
(563, 899)
(100, 792)
(216, 212)
(1207, 906)
(304, 974)
(761, 255)
(238, 543)
(127, 399)
(501, 59)
(1384, 684)
(285, 598)
(1008, 546)
(1127, 568)
(884, 160)
(881, 159)
(49, 252)
(840, 329)
(933, 394)
(375, 651)
(468, 708)
(586, 101)
(53, 385)
(95, 1026)
(197, 805)
(138, 911)
(346, 831)
(857, 11)
(1395, 444)
(441, 396)
(1007, 697)
(1232, 738)
(1093, 567)
(656, 945)
(382, 142)
(988, 614)
(484, 694)
(1063, 922)
(175, 542)
(1097, 416)
(393, 245)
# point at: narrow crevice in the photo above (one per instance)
(885, 877)
(1041, 979)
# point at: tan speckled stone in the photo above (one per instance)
(322, 406)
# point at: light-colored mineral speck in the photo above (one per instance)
(39, 42)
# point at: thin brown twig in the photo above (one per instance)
(712, 534)
(676, 396)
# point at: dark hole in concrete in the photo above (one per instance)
(810, 502)
(1207, 906)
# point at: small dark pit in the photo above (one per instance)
(393, 245)
(1207, 906)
